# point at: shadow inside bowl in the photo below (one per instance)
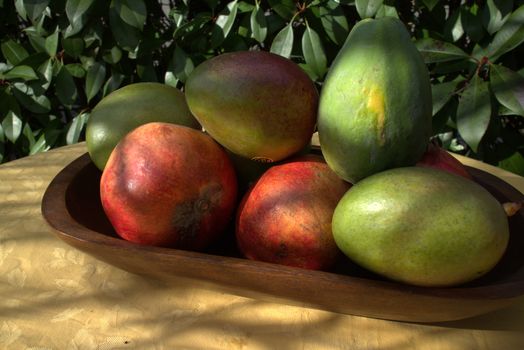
(72, 206)
(84, 206)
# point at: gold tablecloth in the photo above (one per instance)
(53, 296)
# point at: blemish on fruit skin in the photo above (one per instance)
(282, 250)
(375, 104)
(187, 216)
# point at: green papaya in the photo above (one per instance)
(421, 226)
(375, 105)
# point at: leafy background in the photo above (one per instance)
(55, 65)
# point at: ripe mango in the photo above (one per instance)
(421, 226)
(256, 104)
(375, 105)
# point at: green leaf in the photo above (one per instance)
(13, 52)
(75, 129)
(94, 79)
(4, 103)
(132, 12)
(224, 23)
(48, 136)
(12, 125)
(226, 19)
(113, 56)
(386, 11)
(508, 87)
(76, 70)
(182, 64)
(430, 4)
(284, 8)
(35, 59)
(211, 3)
(283, 42)
(191, 28)
(51, 43)
(35, 8)
(31, 100)
(514, 163)
(36, 40)
(441, 93)
(474, 112)
(453, 29)
(76, 11)
(244, 6)
(19, 5)
(5, 67)
(313, 51)
(495, 14)
(21, 72)
(309, 71)
(472, 24)
(178, 14)
(434, 50)
(73, 46)
(258, 24)
(441, 119)
(170, 79)
(127, 36)
(453, 67)
(334, 22)
(65, 87)
(367, 8)
(47, 69)
(509, 36)
(2, 144)
(28, 133)
(8, 103)
(113, 83)
(40, 145)
(95, 33)
(146, 71)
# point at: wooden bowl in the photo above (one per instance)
(71, 206)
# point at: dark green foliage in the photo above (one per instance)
(55, 65)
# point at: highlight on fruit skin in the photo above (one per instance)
(256, 104)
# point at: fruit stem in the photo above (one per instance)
(511, 208)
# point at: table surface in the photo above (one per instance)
(53, 296)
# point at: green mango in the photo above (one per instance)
(421, 226)
(129, 107)
(375, 105)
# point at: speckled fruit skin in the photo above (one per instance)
(375, 105)
(285, 218)
(169, 185)
(256, 104)
(421, 226)
(437, 157)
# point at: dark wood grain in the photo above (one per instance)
(71, 206)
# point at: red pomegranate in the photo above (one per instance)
(169, 185)
(285, 217)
